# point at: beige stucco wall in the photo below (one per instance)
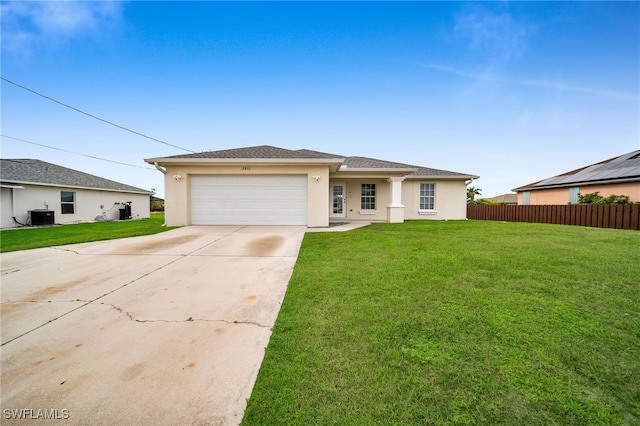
(451, 199)
(546, 196)
(87, 204)
(561, 195)
(630, 189)
(178, 191)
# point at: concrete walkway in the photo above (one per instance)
(159, 330)
(340, 226)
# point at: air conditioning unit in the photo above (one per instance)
(41, 217)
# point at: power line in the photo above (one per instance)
(76, 153)
(93, 116)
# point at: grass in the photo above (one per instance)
(30, 238)
(467, 322)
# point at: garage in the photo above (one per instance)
(249, 200)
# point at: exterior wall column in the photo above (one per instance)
(395, 210)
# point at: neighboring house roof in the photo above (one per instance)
(505, 198)
(347, 164)
(37, 172)
(622, 169)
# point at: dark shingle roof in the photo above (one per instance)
(29, 171)
(372, 163)
(319, 154)
(262, 151)
(350, 163)
(625, 168)
(428, 172)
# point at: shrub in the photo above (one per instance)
(596, 198)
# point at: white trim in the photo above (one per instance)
(368, 211)
(427, 211)
(431, 178)
(378, 170)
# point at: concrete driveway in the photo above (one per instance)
(162, 329)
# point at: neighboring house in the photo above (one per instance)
(265, 185)
(504, 199)
(68, 195)
(619, 175)
(157, 204)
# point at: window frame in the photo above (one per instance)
(423, 198)
(368, 198)
(65, 204)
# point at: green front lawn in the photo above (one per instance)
(30, 238)
(457, 323)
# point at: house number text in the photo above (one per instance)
(246, 167)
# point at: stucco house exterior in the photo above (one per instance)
(619, 175)
(70, 196)
(266, 185)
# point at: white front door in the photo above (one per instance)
(338, 201)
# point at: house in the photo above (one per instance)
(619, 175)
(37, 192)
(266, 185)
(510, 198)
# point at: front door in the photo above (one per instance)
(338, 201)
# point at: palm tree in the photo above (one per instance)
(472, 191)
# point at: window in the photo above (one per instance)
(573, 195)
(368, 196)
(526, 198)
(427, 196)
(67, 202)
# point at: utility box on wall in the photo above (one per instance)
(42, 217)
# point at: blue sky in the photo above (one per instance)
(512, 91)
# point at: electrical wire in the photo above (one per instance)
(76, 153)
(93, 116)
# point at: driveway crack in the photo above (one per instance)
(65, 249)
(190, 319)
(208, 320)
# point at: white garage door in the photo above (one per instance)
(249, 200)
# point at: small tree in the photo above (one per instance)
(472, 191)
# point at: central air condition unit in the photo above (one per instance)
(42, 217)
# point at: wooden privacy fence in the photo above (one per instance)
(618, 216)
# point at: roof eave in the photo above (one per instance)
(581, 183)
(442, 177)
(352, 170)
(56, 185)
(163, 161)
